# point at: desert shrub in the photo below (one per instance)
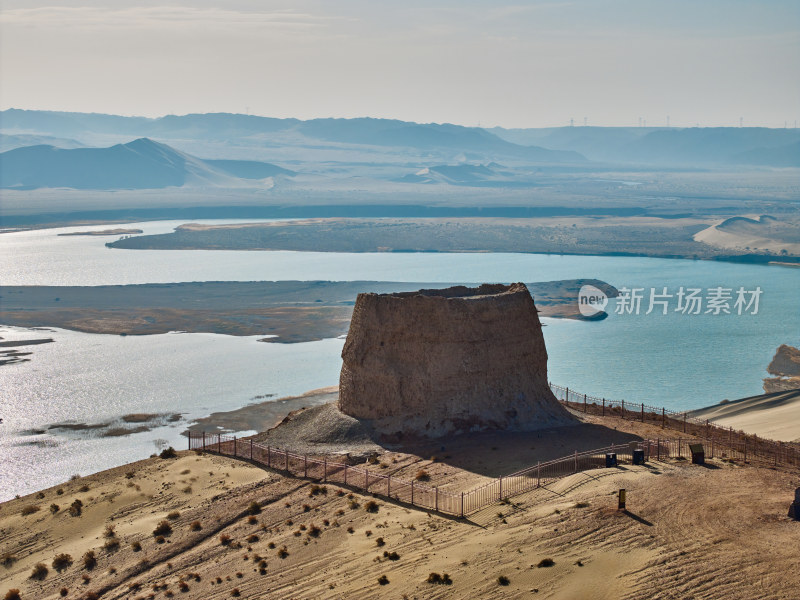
(283, 552)
(187, 489)
(379, 542)
(314, 531)
(195, 526)
(84, 488)
(174, 515)
(422, 475)
(271, 545)
(391, 555)
(30, 509)
(168, 453)
(235, 592)
(111, 545)
(239, 574)
(350, 529)
(130, 475)
(503, 580)
(13, 594)
(581, 505)
(354, 504)
(86, 579)
(74, 477)
(54, 508)
(371, 506)
(317, 489)
(109, 532)
(160, 539)
(225, 539)
(61, 562)
(252, 519)
(63, 592)
(137, 546)
(76, 508)
(89, 560)
(8, 559)
(443, 579)
(306, 508)
(163, 528)
(60, 491)
(383, 580)
(183, 586)
(254, 508)
(546, 562)
(252, 538)
(40, 495)
(39, 572)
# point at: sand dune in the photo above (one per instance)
(775, 416)
(753, 234)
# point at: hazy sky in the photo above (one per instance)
(535, 63)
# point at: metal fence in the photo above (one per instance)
(716, 441)
(731, 444)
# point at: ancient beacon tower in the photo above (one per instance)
(460, 359)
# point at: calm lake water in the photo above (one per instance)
(677, 360)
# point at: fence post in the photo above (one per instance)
(412, 492)
(679, 447)
(219, 443)
(234, 445)
(684, 422)
(325, 470)
(286, 450)
(658, 449)
(204, 440)
(604, 407)
(712, 447)
(642, 412)
(462, 505)
(501, 488)
(663, 417)
(251, 448)
(623, 410)
(305, 465)
(437, 498)
(566, 396)
(584, 403)
(576, 462)
(745, 448)
(389, 486)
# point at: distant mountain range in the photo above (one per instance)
(140, 164)
(94, 151)
(694, 146)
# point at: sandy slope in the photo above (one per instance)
(753, 233)
(775, 416)
(692, 532)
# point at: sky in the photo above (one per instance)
(524, 64)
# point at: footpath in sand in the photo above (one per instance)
(714, 531)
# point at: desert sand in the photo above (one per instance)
(753, 233)
(718, 531)
(775, 416)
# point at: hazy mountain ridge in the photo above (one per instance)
(140, 164)
(694, 146)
